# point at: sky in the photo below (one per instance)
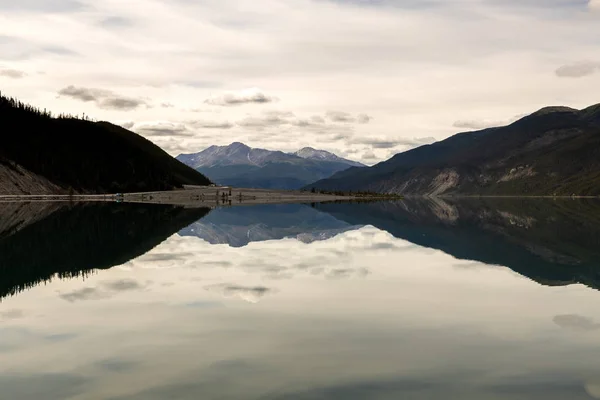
(365, 79)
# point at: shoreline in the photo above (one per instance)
(193, 196)
(223, 196)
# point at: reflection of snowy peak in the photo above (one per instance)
(240, 226)
(309, 237)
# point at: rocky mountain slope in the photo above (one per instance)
(242, 166)
(40, 154)
(554, 151)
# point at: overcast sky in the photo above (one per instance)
(363, 78)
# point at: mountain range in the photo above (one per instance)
(242, 166)
(42, 154)
(554, 151)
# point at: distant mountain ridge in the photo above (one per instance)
(243, 166)
(41, 154)
(321, 155)
(554, 151)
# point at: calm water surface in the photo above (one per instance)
(406, 300)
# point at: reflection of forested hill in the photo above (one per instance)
(75, 239)
(553, 242)
(239, 226)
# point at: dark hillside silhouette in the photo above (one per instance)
(86, 156)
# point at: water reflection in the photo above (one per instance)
(239, 226)
(397, 304)
(554, 242)
(40, 240)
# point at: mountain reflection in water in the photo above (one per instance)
(554, 242)
(430, 299)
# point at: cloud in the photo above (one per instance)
(267, 119)
(166, 105)
(127, 124)
(391, 143)
(161, 128)
(12, 73)
(88, 293)
(251, 294)
(104, 291)
(478, 124)
(340, 116)
(115, 22)
(247, 96)
(576, 322)
(368, 156)
(210, 124)
(105, 99)
(594, 5)
(11, 314)
(363, 118)
(123, 285)
(578, 70)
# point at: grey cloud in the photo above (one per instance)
(123, 285)
(250, 96)
(12, 73)
(116, 365)
(162, 129)
(124, 104)
(576, 322)
(369, 155)
(340, 116)
(210, 124)
(578, 70)
(115, 22)
(317, 119)
(59, 50)
(268, 119)
(363, 118)
(105, 99)
(166, 105)
(251, 294)
(158, 257)
(477, 124)
(11, 314)
(88, 293)
(128, 124)
(60, 337)
(94, 293)
(391, 143)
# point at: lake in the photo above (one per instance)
(430, 299)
